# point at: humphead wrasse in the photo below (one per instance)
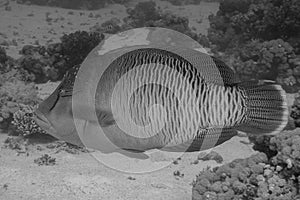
(169, 99)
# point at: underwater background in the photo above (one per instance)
(40, 40)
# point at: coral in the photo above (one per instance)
(14, 92)
(295, 111)
(141, 14)
(239, 22)
(37, 61)
(45, 160)
(51, 62)
(271, 174)
(67, 147)
(23, 121)
(145, 14)
(111, 26)
(272, 60)
(76, 46)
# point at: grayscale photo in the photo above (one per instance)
(150, 99)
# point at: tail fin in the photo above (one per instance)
(267, 110)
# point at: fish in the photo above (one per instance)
(172, 99)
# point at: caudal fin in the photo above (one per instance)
(267, 110)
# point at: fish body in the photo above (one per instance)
(174, 100)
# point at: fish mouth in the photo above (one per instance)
(43, 122)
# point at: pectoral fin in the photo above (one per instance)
(105, 118)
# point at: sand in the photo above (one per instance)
(24, 25)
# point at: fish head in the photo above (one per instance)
(54, 114)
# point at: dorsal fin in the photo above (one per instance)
(66, 86)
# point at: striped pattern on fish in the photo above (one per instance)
(190, 105)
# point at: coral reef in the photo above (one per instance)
(272, 174)
(259, 40)
(76, 46)
(295, 111)
(52, 62)
(146, 14)
(13, 93)
(23, 121)
(237, 23)
(273, 60)
(37, 61)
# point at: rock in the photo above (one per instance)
(210, 156)
(131, 178)
(177, 173)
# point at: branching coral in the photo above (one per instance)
(269, 175)
(23, 121)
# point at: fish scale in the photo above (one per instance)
(173, 78)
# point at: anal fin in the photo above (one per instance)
(205, 139)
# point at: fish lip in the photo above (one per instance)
(39, 116)
(43, 122)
